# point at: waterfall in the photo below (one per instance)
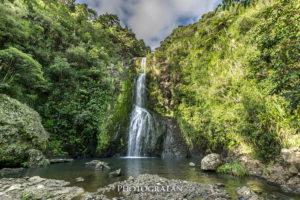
(141, 131)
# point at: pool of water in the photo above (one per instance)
(174, 169)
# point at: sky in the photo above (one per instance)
(153, 20)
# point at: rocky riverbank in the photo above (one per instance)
(148, 186)
(144, 186)
(285, 172)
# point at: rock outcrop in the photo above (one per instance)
(21, 134)
(174, 145)
(291, 158)
(36, 158)
(211, 162)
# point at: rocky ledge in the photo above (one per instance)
(155, 187)
(37, 188)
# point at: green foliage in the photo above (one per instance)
(279, 45)
(24, 164)
(20, 74)
(212, 77)
(226, 4)
(66, 62)
(235, 169)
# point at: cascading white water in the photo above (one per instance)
(141, 132)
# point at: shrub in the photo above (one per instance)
(235, 169)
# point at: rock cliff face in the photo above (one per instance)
(174, 145)
(169, 143)
(22, 136)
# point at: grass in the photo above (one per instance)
(235, 169)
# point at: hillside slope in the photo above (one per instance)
(233, 78)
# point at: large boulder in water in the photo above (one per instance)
(101, 166)
(21, 134)
(211, 162)
(115, 173)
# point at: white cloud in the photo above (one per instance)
(153, 20)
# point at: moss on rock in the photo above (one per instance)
(20, 131)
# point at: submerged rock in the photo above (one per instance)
(191, 164)
(155, 187)
(211, 162)
(246, 194)
(37, 188)
(101, 166)
(79, 179)
(115, 173)
(60, 160)
(20, 131)
(92, 163)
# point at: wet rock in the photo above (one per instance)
(245, 193)
(10, 171)
(60, 160)
(79, 179)
(148, 186)
(115, 173)
(191, 164)
(174, 146)
(37, 159)
(101, 166)
(37, 188)
(211, 162)
(92, 163)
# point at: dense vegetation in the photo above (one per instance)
(233, 77)
(75, 68)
